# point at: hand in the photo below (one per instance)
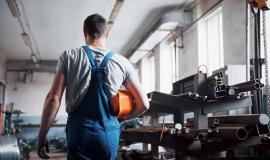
(121, 120)
(115, 104)
(43, 148)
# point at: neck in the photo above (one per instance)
(98, 43)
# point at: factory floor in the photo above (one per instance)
(53, 156)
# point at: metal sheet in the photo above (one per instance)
(9, 149)
(188, 104)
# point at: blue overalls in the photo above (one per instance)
(92, 130)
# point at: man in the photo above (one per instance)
(92, 75)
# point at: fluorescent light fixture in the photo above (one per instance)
(136, 56)
(169, 26)
(34, 58)
(26, 39)
(155, 38)
(167, 23)
(13, 7)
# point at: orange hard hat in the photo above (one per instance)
(122, 103)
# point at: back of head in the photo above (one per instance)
(95, 26)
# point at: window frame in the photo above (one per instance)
(4, 90)
(203, 40)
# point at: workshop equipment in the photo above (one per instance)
(9, 149)
(197, 142)
(1, 118)
(122, 103)
(205, 133)
(8, 121)
(216, 121)
(256, 7)
(137, 155)
(195, 83)
(202, 95)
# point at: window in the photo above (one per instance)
(147, 70)
(267, 17)
(169, 66)
(152, 72)
(2, 93)
(210, 42)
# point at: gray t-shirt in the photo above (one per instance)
(75, 65)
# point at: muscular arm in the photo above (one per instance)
(141, 100)
(51, 107)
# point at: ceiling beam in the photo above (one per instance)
(26, 65)
(181, 17)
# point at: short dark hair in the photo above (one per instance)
(95, 25)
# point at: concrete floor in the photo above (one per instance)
(53, 156)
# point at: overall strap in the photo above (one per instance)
(90, 56)
(106, 60)
(92, 60)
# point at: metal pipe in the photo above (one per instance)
(202, 136)
(249, 119)
(247, 83)
(250, 87)
(247, 41)
(188, 94)
(232, 133)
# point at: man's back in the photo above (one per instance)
(93, 130)
(77, 69)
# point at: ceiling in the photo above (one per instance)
(57, 25)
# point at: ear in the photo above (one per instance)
(85, 34)
(106, 35)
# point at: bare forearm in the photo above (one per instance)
(135, 113)
(141, 100)
(50, 110)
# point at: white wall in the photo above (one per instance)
(145, 74)
(234, 31)
(2, 68)
(188, 56)
(234, 36)
(234, 39)
(29, 97)
(163, 77)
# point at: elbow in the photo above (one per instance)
(53, 100)
(56, 99)
(145, 106)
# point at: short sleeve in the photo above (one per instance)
(61, 64)
(131, 74)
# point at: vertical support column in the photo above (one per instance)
(1, 119)
(257, 62)
(154, 148)
(178, 153)
(200, 121)
(178, 117)
(156, 51)
(145, 123)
